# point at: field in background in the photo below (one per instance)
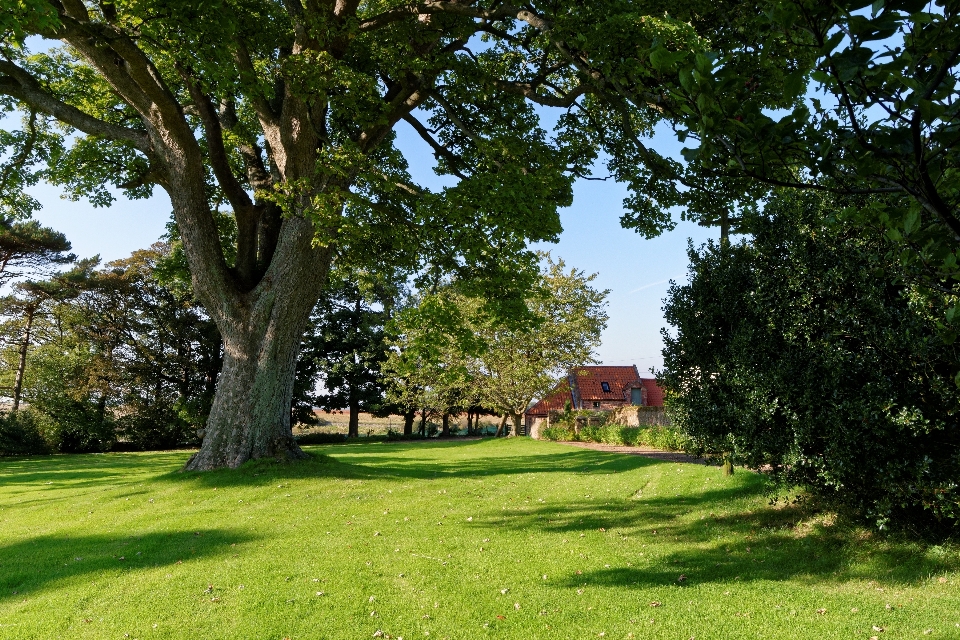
(457, 539)
(337, 422)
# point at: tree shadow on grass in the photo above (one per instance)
(749, 542)
(393, 461)
(84, 470)
(35, 564)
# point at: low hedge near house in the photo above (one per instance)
(657, 436)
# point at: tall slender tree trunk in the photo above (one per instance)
(469, 422)
(22, 359)
(408, 417)
(445, 430)
(502, 426)
(353, 429)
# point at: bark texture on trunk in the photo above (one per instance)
(22, 360)
(408, 418)
(517, 422)
(445, 430)
(250, 416)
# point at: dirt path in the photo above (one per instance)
(647, 452)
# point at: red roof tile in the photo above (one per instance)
(589, 388)
(590, 379)
(554, 401)
(654, 392)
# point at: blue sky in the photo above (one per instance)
(635, 270)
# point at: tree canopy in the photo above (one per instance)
(846, 97)
(30, 250)
(450, 354)
(285, 114)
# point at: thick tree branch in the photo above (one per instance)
(246, 214)
(529, 91)
(219, 161)
(439, 150)
(20, 84)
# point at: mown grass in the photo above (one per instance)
(502, 539)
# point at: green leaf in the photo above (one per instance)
(793, 84)
(911, 222)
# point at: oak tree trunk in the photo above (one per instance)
(408, 422)
(250, 416)
(261, 330)
(445, 429)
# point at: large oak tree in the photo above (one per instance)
(285, 113)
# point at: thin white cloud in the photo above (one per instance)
(652, 284)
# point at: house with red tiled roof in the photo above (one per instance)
(597, 388)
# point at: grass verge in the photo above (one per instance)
(503, 539)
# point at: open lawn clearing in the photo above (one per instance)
(507, 538)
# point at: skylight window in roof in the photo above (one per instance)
(605, 386)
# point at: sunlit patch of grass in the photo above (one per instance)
(510, 539)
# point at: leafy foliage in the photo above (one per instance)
(20, 434)
(452, 354)
(116, 354)
(847, 97)
(804, 351)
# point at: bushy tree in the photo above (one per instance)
(452, 355)
(115, 353)
(807, 350)
(427, 371)
(517, 365)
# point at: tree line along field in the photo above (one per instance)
(445, 539)
(337, 422)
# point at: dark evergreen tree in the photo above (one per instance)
(342, 352)
(28, 249)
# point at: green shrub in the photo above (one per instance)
(809, 351)
(321, 438)
(155, 427)
(20, 434)
(71, 426)
(658, 437)
(558, 433)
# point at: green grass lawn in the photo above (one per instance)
(504, 539)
